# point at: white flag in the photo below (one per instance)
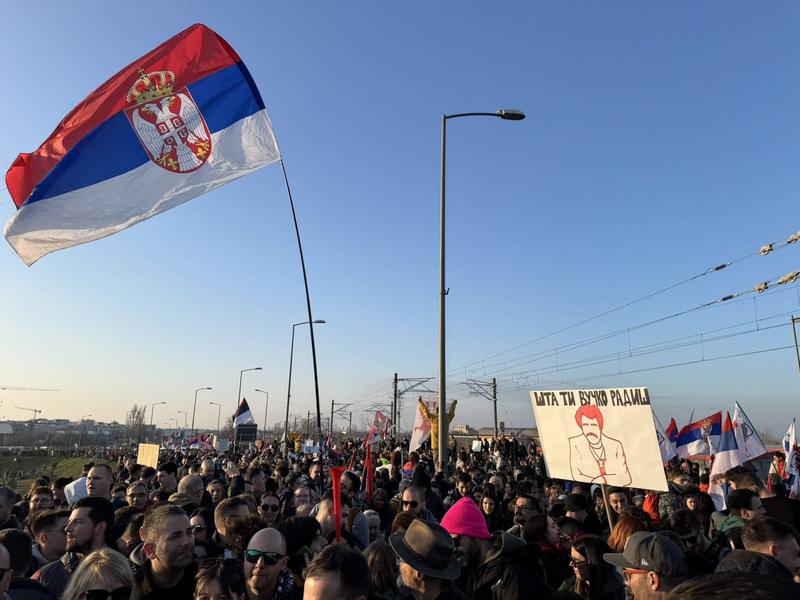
(666, 446)
(789, 444)
(747, 438)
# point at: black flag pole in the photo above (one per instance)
(310, 317)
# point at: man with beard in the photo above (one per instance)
(524, 507)
(163, 564)
(265, 573)
(89, 522)
(492, 565)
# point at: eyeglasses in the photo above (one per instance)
(270, 558)
(121, 593)
(575, 563)
(411, 503)
(626, 573)
(198, 527)
(270, 507)
(523, 507)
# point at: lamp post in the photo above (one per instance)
(289, 391)
(194, 408)
(152, 408)
(80, 429)
(175, 427)
(219, 408)
(185, 419)
(508, 115)
(266, 407)
(239, 395)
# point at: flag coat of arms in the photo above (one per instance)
(699, 438)
(178, 122)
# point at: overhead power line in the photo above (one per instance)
(764, 250)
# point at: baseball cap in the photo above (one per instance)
(650, 552)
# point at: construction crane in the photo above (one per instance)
(35, 412)
(15, 388)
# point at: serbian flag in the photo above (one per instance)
(727, 456)
(242, 414)
(699, 438)
(178, 122)
(672, 431)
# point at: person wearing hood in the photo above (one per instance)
(744, 505)
(89, 524)
(493, 565)
(163, 564)
(770, 549)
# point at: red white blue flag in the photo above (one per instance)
(700, 438)
(242, 414)
(178, 122)
(727, 457)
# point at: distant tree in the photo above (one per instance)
(134, 422)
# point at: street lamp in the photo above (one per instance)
(289, 391)
(219, 407)
(266, 407)
(239, 396)
(185, 418)
(175, 427)
(194, 408)
(152, 408)
(508, 115)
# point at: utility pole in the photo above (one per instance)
(308, 424)
(350, 425)
(417, 384)
(395, 411)
(487, 389)
(342, 406)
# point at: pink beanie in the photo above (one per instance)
(465, 518)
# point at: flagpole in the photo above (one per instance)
(308, 305)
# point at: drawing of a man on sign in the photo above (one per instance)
(593, 456)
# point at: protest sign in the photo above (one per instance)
(148, 455)
(600, 436)
(477, 445)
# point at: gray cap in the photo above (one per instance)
(650, 552)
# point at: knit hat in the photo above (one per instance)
(465, 518)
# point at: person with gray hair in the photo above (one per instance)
(374, 523)
(192, 486)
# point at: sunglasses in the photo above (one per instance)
(411, 503)
(121, 593)
(270, 507)
(252, 556)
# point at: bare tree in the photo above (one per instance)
(134, 422)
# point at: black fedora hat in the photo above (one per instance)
(428, 548)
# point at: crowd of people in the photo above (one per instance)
(262, 524)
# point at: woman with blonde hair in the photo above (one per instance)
(103, 575)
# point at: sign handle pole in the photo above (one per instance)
(608, 507)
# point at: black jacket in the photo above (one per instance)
(146, 587)
(744, 561)
(505, 573)
(25, 589)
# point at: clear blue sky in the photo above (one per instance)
(661, 139)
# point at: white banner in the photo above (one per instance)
(600, 436)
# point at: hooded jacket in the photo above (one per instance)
(744, 561)
(504, 573)
(730, 522)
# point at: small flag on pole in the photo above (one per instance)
(242, 414)
(727, 456)
(178, 122)
(747, 438)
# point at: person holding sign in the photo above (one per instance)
(595, 457)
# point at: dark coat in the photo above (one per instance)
(55, 575)
(25, 589)
(505, 573)
(146, 587)
(744, 561)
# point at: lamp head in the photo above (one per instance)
(510, 114)
(320, 321)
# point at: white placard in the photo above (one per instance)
(600, 436)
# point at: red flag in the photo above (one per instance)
(370, 474)
(336, 478)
